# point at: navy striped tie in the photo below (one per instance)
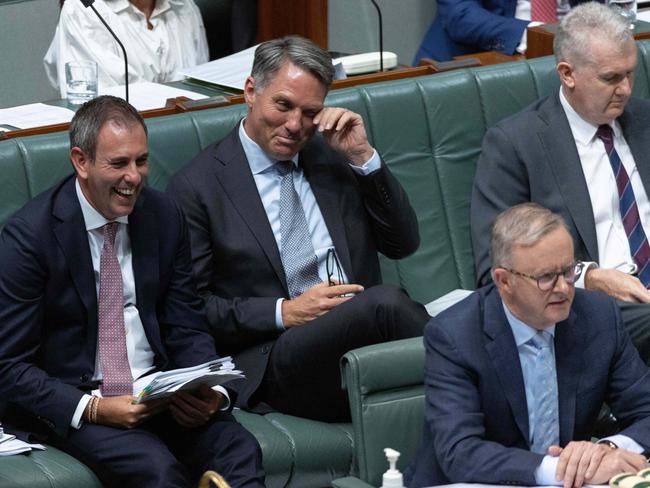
(636, 237)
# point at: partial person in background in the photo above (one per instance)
(471, 26)
(244, 24)
(161, 37)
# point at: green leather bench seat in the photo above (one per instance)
(429, 131)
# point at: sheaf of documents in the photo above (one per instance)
(166, 383)
(230, 71)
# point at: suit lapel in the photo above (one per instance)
(328, 197)
(236, 180)
(505, 358)
(562, 156)
(568, 360)
(145, 235)
(71, 235)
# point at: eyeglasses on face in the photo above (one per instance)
(547, 281)
(334, 274)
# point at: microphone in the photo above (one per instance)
(381, 35)
(89, 3)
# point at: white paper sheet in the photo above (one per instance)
(34, 115)
(147, 95)
(230, 71)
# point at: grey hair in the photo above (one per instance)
(522, 225)
(584, 23)
(91, 117)
(270, 56)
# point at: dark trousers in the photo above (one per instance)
(160, 453)
(303, 377)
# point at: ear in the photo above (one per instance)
(80, 162)
(566, 72)
(249, 91)
(502, 279)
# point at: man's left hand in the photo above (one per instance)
(345, 132)
(194, 410)
(617, 461)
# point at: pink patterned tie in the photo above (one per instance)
(112, 338)
(544, 11)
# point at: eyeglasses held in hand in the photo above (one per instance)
(333, 266)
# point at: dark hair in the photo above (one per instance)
(91, 117)
(270, 56)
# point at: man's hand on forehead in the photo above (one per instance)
(345, 132)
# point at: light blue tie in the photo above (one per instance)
(546, 428)
(297, 251)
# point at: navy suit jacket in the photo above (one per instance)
(236, 258)
(532, 157)
(471, 26)
(476, 417)
(48, 302)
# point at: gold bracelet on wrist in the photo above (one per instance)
(96, 409)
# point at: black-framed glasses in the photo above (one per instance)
(547, 281)
(333, 267)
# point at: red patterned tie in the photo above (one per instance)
(117, 378)
(544, 11)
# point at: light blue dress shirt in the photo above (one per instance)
(545, 472)
(268, 182)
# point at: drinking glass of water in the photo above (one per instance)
(81, 81)
(627, 8)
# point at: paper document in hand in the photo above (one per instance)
(166, 383)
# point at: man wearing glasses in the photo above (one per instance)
(516, 374)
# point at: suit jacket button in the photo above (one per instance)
(266, 349)
(84, 378)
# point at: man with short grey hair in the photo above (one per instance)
(285, 227)
(581, 152)
(515, 374)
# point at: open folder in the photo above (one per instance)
(165, 383)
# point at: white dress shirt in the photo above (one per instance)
(176, 41)
(613, 245)
(268, 182)
(522, 332)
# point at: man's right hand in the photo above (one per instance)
(578, 461)
(316, 301)
(617, 284)
(119, 411)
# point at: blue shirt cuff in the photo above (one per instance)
(373, 164)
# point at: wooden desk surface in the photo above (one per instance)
(179, 105)
(540, 38)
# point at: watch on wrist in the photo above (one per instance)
(608, 443)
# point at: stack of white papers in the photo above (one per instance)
(163, 384)
(230, 71)
(9, 445)
(34, 115)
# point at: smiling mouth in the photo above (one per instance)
(124, 192)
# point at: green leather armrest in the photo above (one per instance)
(386, 394)
(350, 482)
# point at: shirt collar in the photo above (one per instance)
(92, 218)
(161, 5)
(523, 332)
(258, 160)
(583, 131)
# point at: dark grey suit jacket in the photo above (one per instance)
(236, 259)
(532, 157)
(476, 419)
